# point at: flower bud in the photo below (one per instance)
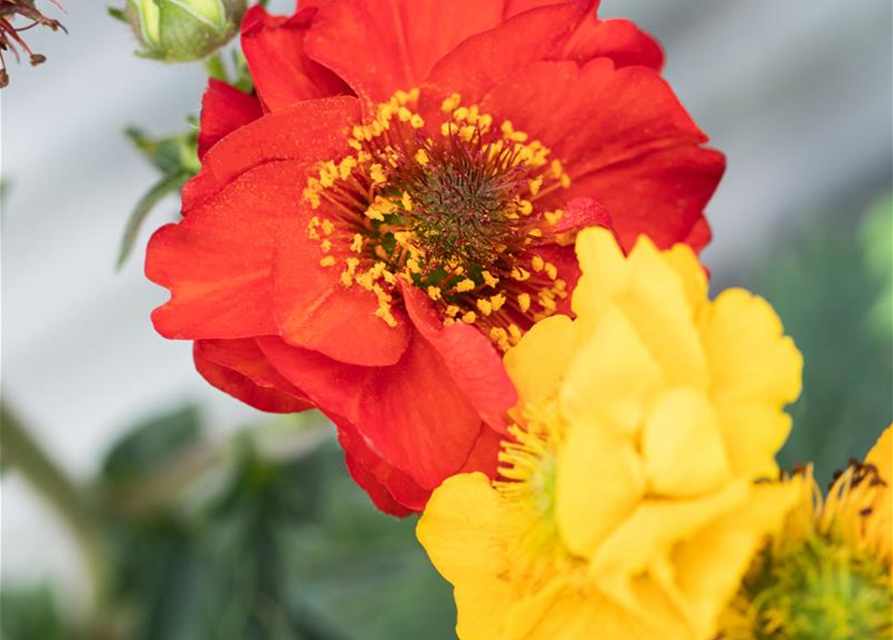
(182, 30)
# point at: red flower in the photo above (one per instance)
(359, 245)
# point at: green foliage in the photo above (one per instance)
(262, 537)
(176, 157)
(826, 292)
(31, 614)
(150, 444)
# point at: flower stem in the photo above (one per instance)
(21, 450)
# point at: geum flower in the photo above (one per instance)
(626, 504)
(398, 203)
(828, 575)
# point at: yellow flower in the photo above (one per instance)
(827, 576)
(627, 506)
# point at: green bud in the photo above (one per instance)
(182, 30)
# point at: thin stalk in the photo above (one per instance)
(20, 450)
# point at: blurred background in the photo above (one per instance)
(245, 538)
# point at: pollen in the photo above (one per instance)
(465, 285)
(553, 217)
(451, 103)
(485, 307)
(449, 208)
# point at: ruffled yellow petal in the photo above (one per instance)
(576, 616)
(608, 466)
(753, 433)
(656, 304)
(691, 274)
(711, 564)
(461, 530)
(605, 272)
(538, 364)
(881, 456)
(649, 536)
(682, 446)
(613, 377)
(750, 359)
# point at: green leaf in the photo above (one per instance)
(150, 444)
(31, 614)
(163, 153)
(168, 185)
(117, 14)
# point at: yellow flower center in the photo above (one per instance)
(451, 212)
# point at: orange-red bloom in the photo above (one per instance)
(398, 204)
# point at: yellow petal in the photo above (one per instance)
(538, 363)
(604, 269)
(881, 455)
(753, 434)
(750, 359)
(691, 274)
(461, 530)
(599, 481)
(612, 378)
(651, 532)
(593, 616)
(682, 446)
(655, 302)
(711, 564)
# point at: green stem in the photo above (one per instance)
(20, 449)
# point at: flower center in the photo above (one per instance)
(453, 211)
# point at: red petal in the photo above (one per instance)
(470, 357)
(309, 132)
(377, 492)
(316, 311)
(699, 235)
(391, 490)
(514, 7)
(217, 262)
(662, 195)
(247, 382)
(412, 413)
(224, 109)
(282, 73)
(380, 46)
(580, 213)
(484, 457)
(620, 40)
(481, 61)
(625, 139)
